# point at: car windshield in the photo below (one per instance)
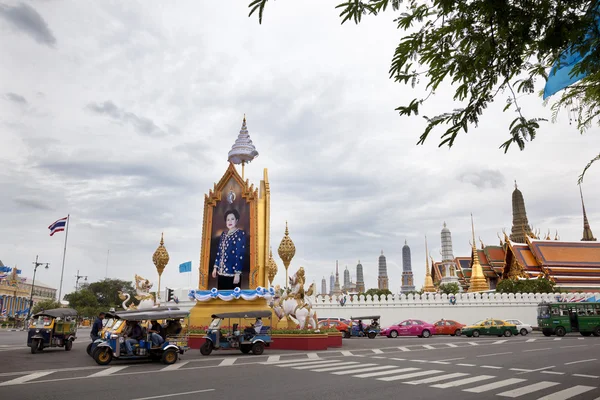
(544, 311)
(42, 322)
(479, 322)
(117, 324)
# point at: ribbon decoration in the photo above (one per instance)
(228, 295)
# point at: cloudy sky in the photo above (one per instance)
(121, 114)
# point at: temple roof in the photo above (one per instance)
(554, 253)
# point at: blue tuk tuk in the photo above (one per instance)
(113, 343)
(253, 338)
(360, 329)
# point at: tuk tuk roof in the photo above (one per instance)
(244, 314)
(367, 317)
(113, 314)
(57, 313)
(152, 314)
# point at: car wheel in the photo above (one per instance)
(586, 333)
(258, 348)
(596, 331)
(372, 335)
(68, 345)
(169, 357)
(560, 331)
(425, 333)
(523, 332)
(393, 334)
(89, 349)
(546, 333)
(103, 356)
(507, 333)
(457, 332)
(245, 348)
(346, 335)
(475, 333)
(35, 345)
(206, 348)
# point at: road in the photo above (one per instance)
(530, 367)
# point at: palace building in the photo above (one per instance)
(15, 293)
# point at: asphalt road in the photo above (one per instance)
(530, 367)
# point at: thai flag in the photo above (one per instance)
(58, 226)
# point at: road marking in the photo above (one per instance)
(297, 364)
(520, 369)
(473, 343)
(297, 360)
(107, 371)
(552, 372)
(312, 355)
(453, 359)
(440, 362)
(568, 393)
(545, 348)
(428, 346)
(379, 357)
(581, 338)
(420, 361)
(174, 394)
(491, 367)
(26, 378)
(530, 340)
(331, 364)
(528, 389)
(370, 369)
(587, 376)
(393, 371)
(346, 353)
(451, 345)
(228, 361)
(567, 347)
(346, 365)
(175, 366)
(403, 348)
(273, 359)
(581, 361)
(436, 378)
(558, 339)
(495, 354)
(377, 351)
(499, 341)
(408, 376)
(51, 370)
(465, 381)
(466, 365)
(494, 385)
(398, 359)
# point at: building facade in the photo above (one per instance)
(382, 277)
(15, 293)
(408, 284)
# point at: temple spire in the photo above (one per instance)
(243, 150)
(477, 282)
(428, 287)
(520, 228)
(588, 236)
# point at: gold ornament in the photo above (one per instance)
(160, 260)
(286, 251)
(271, 267)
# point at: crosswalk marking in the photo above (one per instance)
(473, 343)
(530, 340)
(175, 366)
(346, 365)
(451, 345)
(408, 376)
(437, 378)
(499, 341)
(330, 364)
(528, 389)
(558, 338)
(26, 378)
(273, 359)
(107, 371)
(465, 381)
(494, 385)
(404, 348)
(428, 346)
(346, 353)
(312, 355)
(315, 362)
(377, 351)
(394, 371)
(370, 369)
(227, 361)
(568, 393)
(587, 376)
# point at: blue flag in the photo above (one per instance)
(185, 267)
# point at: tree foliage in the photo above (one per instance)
(488, 50)
(103, 295)
(539, 285)
(44, 305)
(449, 288)
(377, 292)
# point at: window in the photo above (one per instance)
(498, 322)
(487, 323)
(405, 323)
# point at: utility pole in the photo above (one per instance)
(77, 281)
(36, 265)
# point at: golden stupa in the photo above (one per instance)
(428, 286)
(477, 283)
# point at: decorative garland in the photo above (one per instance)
(228, 295)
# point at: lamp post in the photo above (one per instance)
(36, 265)
(78, 277)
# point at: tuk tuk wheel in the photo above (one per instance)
(245, 348)
(103, 356)
(372, 335)
(258, 348)
(347, 335)
(169, 357)
(89, 349)
(206, 348)
(35, 345)
(68, 345)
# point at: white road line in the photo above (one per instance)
(465, 381)
(297, 360)
(558, 338)
(107, 371)
(528, 389)
(408, 376)
(331, 364)
(568, 393)
(440, 362)
(545, 348)
(473, 343)
(26, 378)
(312, 355)
(346, 365)
(494, 385)
(499, 341)
(530, 340)
(381, 373)
(436, 378)
(174, 394)
(273, 359)
(228, 361)
(580, 338)
(346, 353)
(491, 367)
(467, 365)
(404, 348)
(552, 372)
(379, 357)
(568, 347)
(453, 359)
(304, 363)
(428, 346)
(451, 345)
(495, 354)
(175, 366)
(520, 369)
(587, 376)
(377, 351)
(398, 359)
(370, 369)
(581, 361)
(419, 361)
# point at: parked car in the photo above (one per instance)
(448, 327)
(490, 326)
(333, 323)
(524, 329)
(410, 327)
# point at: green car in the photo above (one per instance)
(490, 327)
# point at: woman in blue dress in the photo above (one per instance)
(231, 253)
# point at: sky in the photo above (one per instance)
(121, 114)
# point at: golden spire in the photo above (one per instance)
(271, 267)
(286, 251)
(428, 287)
(588, 236)
(160, 260)
(477, 282)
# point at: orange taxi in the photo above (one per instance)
(448, 327)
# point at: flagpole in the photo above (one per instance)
(62, 272)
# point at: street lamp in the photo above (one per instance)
(36, 265)
(78, 278)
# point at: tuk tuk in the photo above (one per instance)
(52, 328)
(113, 346)
(253, 338)
(360, 329)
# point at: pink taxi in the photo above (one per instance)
(410, 327)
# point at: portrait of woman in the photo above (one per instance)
(231, 253)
